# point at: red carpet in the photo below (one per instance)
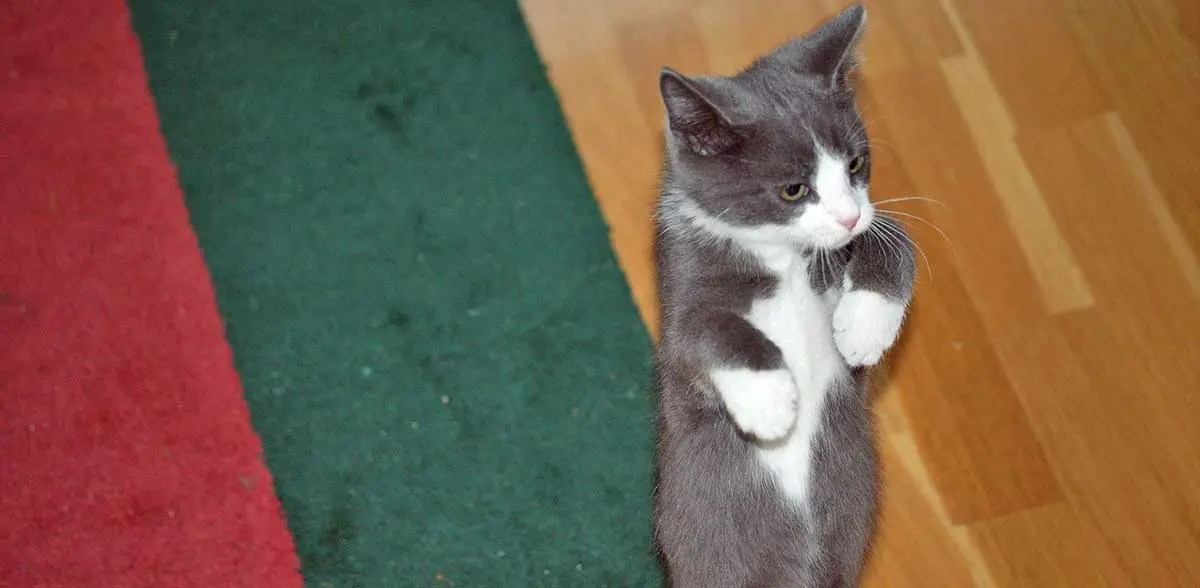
(127, 458)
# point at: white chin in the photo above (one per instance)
(834, 242)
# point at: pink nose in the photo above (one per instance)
(849, 221)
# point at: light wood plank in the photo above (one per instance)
(1151, 72)
(1033, 58)
(1156, 204)
(1054, 266)
(899, 562)
(955, 389)
(1047, 547)
(919, 119)
(1086, 395)
(1105, 213)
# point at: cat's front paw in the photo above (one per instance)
(865, 325)
(762, 402)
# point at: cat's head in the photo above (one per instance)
(777, 153)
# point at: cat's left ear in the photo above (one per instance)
(830, 50)
(694, 116)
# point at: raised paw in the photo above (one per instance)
(761, 402)
(865, 325)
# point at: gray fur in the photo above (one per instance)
(720, 521)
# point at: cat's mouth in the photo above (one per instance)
(835, 244)
(835, 237)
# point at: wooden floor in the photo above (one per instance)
(1040, 421)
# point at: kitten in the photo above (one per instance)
(777, 285)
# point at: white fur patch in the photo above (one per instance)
(833, 186)
(797, 320)
(762, 403)
(865, 325)
(838, 199)
(759, 235)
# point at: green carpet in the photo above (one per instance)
(438, 348)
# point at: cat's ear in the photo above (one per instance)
(830, 50)
(693, 116)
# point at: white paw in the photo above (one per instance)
(762, 403)
(865, 325)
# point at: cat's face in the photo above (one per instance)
(779, 152)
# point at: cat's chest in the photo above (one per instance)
(798, 320)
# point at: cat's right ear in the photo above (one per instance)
(693, 117)
(829, 51)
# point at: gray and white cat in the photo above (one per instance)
(777, 284)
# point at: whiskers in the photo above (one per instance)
(893, 238)
(875, 145)
(907, 198)
(826, 266)
(894, 213)
(859, 137)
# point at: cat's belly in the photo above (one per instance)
(797, 320)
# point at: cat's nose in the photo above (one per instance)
(849, 221)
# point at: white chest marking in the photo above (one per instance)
(797, 319)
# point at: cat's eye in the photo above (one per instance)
(856, 164)
(793, 192)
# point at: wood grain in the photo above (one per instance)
(1038, 421)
